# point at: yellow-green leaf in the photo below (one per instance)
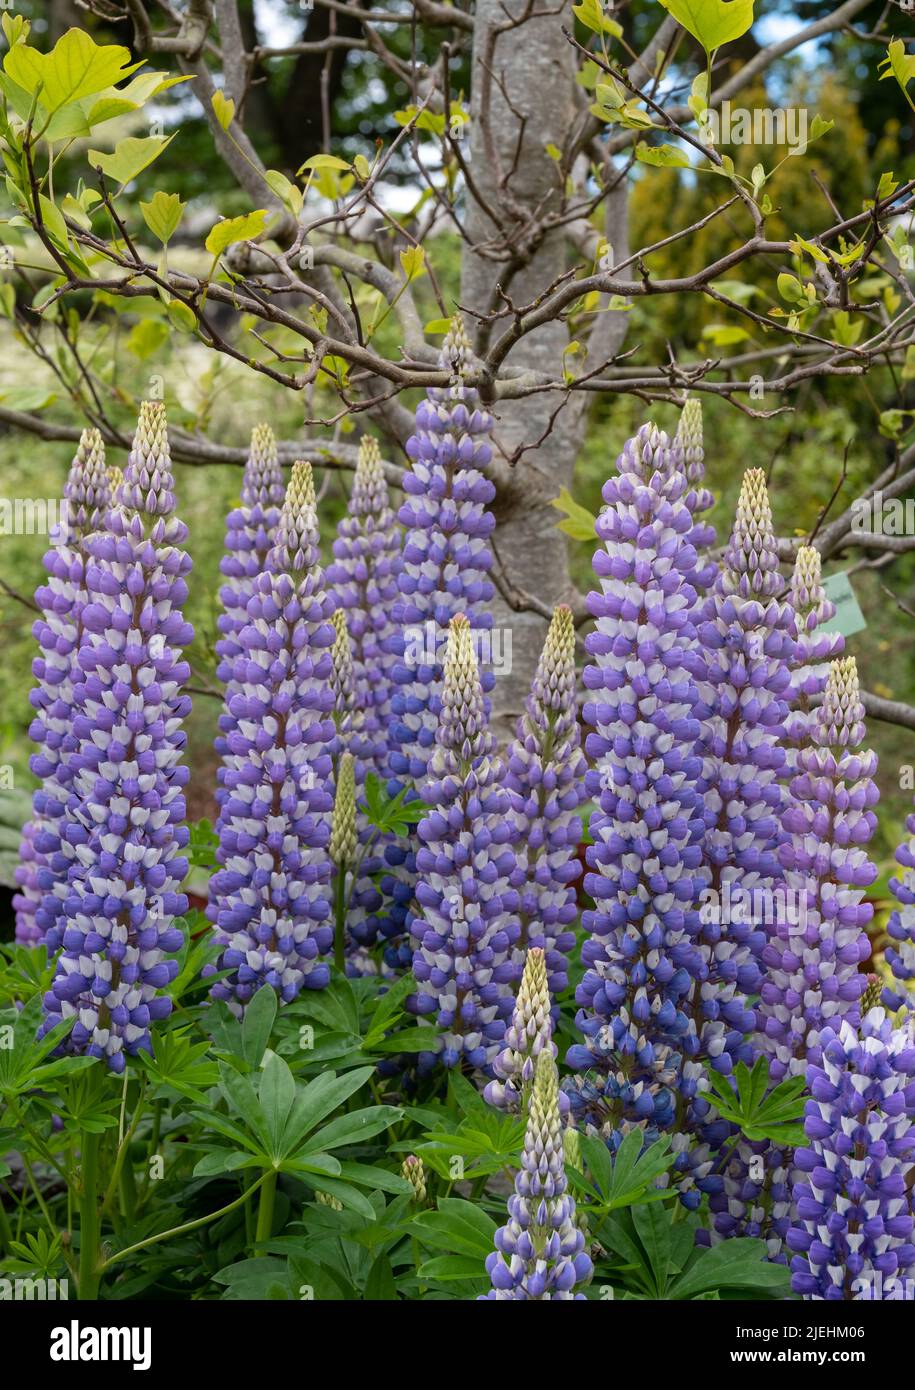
(323, 161)
(224, 109)
(578, 522)
(590, 13)
(664, 156)
(413, 261)
(162, 214)
(290, 196)
(75, 67)
(712, 22)
(129, 157)
(235, 229)
(435, 326)
(181, 317)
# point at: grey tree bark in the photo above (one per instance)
(524, 98)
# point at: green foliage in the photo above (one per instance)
(760, 1113)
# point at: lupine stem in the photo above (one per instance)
(89, 1225)
(265, 1210)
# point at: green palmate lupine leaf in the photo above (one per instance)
(318, 1099)
(75, 67)
(350, 1196)
(243, 1101)
(276, 1093)
(353, 1128)
(232, 230)
(458, 1226)
(739, 1263)
(369, 1175)
(712, 22)
(162, 214)
(760, 1113)
(179, 1064)
(389, 1008)
(129, 157)
(257, 1025)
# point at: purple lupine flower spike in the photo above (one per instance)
(250, 535)
(444, 570)
(28, 894)
(747, 642)
(464, 959)
(529, 1033)
(59, 630)
(699, 499)
(852, 1232)
(545, 772)
(540, 1252)
(818, 941)
(642, 965)
(816, 938)
(126, 803)
(269, 900)
(900, 956)
(815, 648)
(363, 577)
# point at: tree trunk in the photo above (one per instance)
(536, 66)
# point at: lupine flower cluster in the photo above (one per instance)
(444, 570)
(363, 580)
(813, 953)
(642, 961)
(726, 763)
(466, 929)
(545, 776)
(48, 854)
(852, 1235)
(815, 648)
(747, 642)
(901, 925)
(540, 1252)
(126, 802)
(269, 901)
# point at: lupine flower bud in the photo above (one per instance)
(529, 1033)
(414, 1171)
(464, 959)
(343, 839)
(642, 965)
(269, 899)
(327, 1199)
(540, 1252)
(545, 779)
(870, 999)
(571, 1141)
(59, 632)
(126, 805)
(342, 679)
(852, 1233)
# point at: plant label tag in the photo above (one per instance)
(848, 617)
